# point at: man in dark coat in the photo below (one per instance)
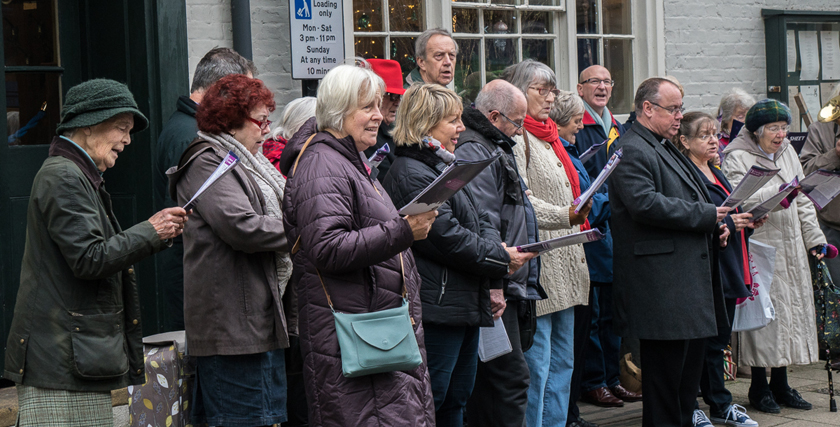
(176, 135)
(596, 374)
(500, 394)
(666, 286)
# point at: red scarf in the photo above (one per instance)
(547, 131)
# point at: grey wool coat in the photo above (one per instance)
(666, 283)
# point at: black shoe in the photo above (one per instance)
(792, 399)
(765, 403)
(581, 423)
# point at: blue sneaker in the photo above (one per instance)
(700, 419)
(735, 415)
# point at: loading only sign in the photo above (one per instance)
(317, 28)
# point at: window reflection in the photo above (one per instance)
(33, 78)
(468, 69)
(367, 15)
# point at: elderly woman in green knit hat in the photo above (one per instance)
(793, 230)
(76, 333)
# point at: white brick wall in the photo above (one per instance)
(712, 46)
(209, 25)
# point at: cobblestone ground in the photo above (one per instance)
(810, 380)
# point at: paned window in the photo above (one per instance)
(386, 29)
(493, 34)
(33, 74)
(605, 37)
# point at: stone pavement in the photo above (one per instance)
(810, 380)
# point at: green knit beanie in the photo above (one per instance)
(96, 101)
(766, 111)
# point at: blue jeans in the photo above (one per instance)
(603, 352)
(551, 362)
(240, 391)
(452, 354)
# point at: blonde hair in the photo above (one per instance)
(344, 89)
(423, 106)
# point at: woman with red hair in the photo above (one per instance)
(236, 260)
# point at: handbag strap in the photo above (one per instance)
(402, 274)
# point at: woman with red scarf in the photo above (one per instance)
(554, 184)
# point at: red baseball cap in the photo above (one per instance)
(391, 72)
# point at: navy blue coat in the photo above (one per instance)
(592, 133)
(599, 253)
(731, 257)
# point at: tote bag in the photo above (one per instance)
(756, 311)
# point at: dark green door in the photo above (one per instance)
(51, 45)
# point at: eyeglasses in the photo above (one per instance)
(518, 125)
(262, 124)
(597, 82)
(544, 92)
(706, 137)
(777, 129)
(672, 110)
(393, 97)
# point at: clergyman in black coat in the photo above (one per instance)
(666, 290)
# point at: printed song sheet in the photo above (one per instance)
(830, 42)
(599, 181)
(493, 341)
(228, 163)
(826, 89)
(791, 51)
(821, 187)
(755, 178)
(587, 236)
(809, 54)
(768, 205)
(454, 177)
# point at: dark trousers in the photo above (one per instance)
(296, 407)
(712, 384)
(501, 385)
(452, 354)
(583, 322)
(672, 370)
(604, 346)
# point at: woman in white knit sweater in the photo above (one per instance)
(553, 181)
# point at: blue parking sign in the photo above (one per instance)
(303, 9)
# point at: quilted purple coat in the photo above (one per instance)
(351, 233)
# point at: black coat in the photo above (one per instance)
(463, 258)
(383, 136)
(666, 281)
(500, 191)
(732, 257)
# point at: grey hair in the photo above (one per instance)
(734, 99)
(566, 106)
(342, 90)
(217, 63)
(295, 114)
(529, 72)
(649, 91)
(423, 39)
(501, 99)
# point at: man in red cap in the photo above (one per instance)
(391, 72)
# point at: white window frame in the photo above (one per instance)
(350, 42)
(648, 24)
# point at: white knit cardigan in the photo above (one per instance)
(564, 273)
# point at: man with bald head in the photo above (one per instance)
(598, 373)
(500, 395)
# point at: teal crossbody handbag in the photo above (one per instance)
(376, 342)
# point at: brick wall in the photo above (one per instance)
(209, 25)
(712, 46)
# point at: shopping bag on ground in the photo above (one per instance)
(756, 311)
